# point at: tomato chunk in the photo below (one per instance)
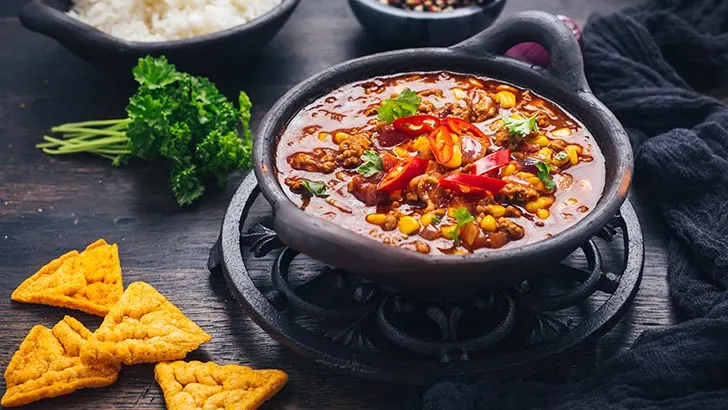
(399, 176)
(416, 124)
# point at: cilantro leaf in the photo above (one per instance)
(520, 127)
(544, 174)
(462, 217)
(404, 105)
(436, 219)
(372, 164)
(316, 188)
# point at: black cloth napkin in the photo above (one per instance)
(646, 64)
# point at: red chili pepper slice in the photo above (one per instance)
(472, 184)
(461, 127)
(399, 176)
(442, 145)
(417, 124)
(491, 162)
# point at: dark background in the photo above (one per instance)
(50, 205)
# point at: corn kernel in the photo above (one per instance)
(545, 201)
(376, 219)
(448, 230)
(542, 140)
(339, 137)
(560, 160)
(426, 219)
(408, 225)
(545, 152)
(457, 154)
(497, 210)
(532, 207)
(458, 93)
(508, 169)
(543, 213)
(506, 99)
(533, 181)
(525, 175)
(422, 146)
(573, 154)
(561, 132)
(401, 151)
(323, 136)
(488, 223)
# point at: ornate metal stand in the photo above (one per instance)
(541, 326)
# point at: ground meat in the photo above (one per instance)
(483, 205)
(511, 228)
(365, 189)
(320, 160)
(517, 193)
(432, 91)
(390, 222)
(426, 107)
(483, 108)
(543, 119)
(502, 138)
(557, 145)
(371, 110)
(424, 188)
(513, 212)
(454, 110)
(351, 149)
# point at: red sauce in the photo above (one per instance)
(324, 142)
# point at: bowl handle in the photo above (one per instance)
(565, 58)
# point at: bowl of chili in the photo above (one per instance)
(562, 82)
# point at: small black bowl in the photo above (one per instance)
(398, 28)
(227, 48)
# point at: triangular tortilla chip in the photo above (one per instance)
(89, 281)
(196, 385)
(47, 365)
(143, 327)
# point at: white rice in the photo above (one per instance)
(164, 20)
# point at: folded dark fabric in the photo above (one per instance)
(647, 64)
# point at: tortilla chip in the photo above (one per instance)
(47, 365)
(89, 281)
(197, 385)
(143, 327)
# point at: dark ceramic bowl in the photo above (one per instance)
(397, 28)
(228, 48)
(563, 82)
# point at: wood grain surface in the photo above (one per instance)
(51, 205)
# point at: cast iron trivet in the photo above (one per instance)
(543, 326)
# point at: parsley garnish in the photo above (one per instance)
(561, 156)
(544, 174)
(404, 105)
(316, 188)
(372, 164)
(520, 127)
(462, 216)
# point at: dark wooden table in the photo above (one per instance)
(51, 205)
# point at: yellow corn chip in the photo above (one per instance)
(143, 327)
(89, 281)
(196, 385)
(47, 365)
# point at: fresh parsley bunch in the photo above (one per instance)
(176, 117)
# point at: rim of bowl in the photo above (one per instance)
(428, 15)
(284, 7)
(611, 199)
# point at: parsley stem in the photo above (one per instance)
(123, 121)
(96, 131)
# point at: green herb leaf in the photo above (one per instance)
(561, 156)
(436, 219)
(404, 105)
(520, 127)
(462, 216)
(544, 174)
(316, 188)
(372, 164)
